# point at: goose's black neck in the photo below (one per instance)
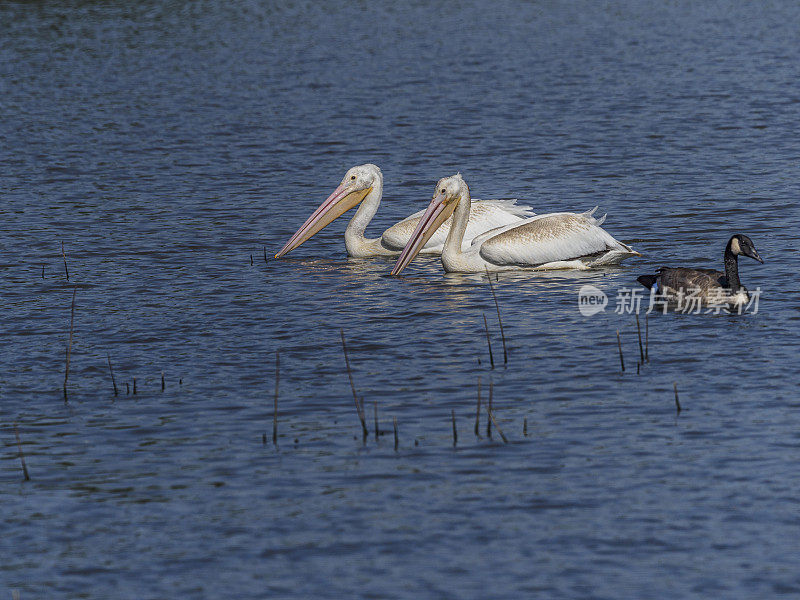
(732, 269)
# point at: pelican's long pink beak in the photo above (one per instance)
(437, 213)
(340, 201)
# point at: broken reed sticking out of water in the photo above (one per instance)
(619, 345)
(69, 344)
(455, 432)
(359, 407)
(499, 319)
(66, 270)
(677, 402)
(113, 381)
(488, 341)
(275, 406)
(21, 454)
(496, 426)
(394, 421)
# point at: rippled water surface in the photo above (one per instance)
(171, 146)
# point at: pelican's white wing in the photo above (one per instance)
(484, 215)
(549, 238)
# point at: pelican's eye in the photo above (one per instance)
(352, 177)
(444, 191)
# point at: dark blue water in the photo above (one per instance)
(165, 144)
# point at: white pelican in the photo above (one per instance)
(551, 241)
(364, 184)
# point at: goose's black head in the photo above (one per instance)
(741, 244)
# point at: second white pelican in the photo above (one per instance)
(550, 241)
(364, 184)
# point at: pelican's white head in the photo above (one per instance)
(356, 184)
(452, 188)
(448, 192)
(362, 177)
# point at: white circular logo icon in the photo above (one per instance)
(591, 300)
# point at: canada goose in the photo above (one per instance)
(712, 287)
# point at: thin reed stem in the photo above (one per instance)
(455, 432)
(111, 370)
(496, 426)
(619, 345)
(677, 402)
(499, 318)
(359, 407)
(66, 270)
(488, 341)
(641, 348)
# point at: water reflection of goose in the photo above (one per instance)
(551, 241)
(364, 185)
(707, 284)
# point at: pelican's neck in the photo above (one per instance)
(354, 239)
(455, 237)
(732, 269)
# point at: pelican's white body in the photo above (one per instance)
(551, 241)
